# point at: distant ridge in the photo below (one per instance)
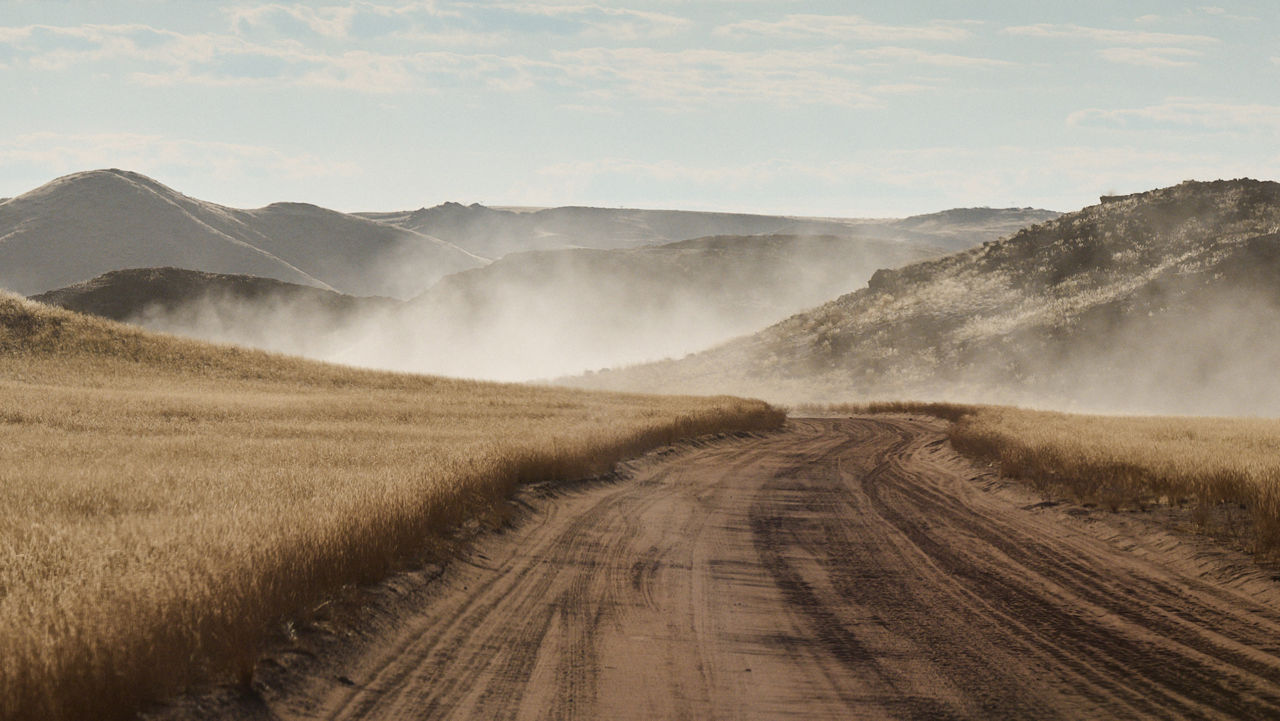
(492, 232)
(85, 224)
(1162, 301)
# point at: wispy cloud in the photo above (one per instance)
(923, 57)
(602, 22)
(591, 109)
(1108, 35)
(735, 72)
(1223, 13)
(685, 77)
(681, 78)
(845, 27)
(297, 45)
(454, 37)
(1152, 57)
(67, 152)
(1127, 47)
(1200, 13)
(1184, 113)
(332, 21)
(336, 21)
(49, 47)
(153, 56)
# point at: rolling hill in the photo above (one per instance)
(1167, 301)
(246, 310)
(86, 224)
(494, 232)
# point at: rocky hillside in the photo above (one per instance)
(82, 225)
(1167, 300)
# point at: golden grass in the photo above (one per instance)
(1122, 462)
(165, 504)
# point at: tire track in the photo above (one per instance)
(841, 568)
(1165, 635)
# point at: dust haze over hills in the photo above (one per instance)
(530, 315)
(1163, 301)
(246, 310)
(590, 288)
(526, 316)
(494, 232)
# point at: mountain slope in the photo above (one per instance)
(493, 232)
(85, 224)
(1167, 300)
(360, 257)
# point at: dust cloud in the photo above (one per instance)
(1214, 353)
(1202, 345)
(1161, 302)
(546, 314)
(276, 323)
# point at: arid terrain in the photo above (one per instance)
(488, 293)
(1142, 303)
(295, 540)
(457, 360)
(166, 504)
(841, 568)
(568, 309)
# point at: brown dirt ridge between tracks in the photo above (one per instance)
(844, 568)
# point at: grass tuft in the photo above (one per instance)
(1209, 465)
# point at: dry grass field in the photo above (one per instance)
(1124, 462)
(164, 503)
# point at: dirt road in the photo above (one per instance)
(844, 568)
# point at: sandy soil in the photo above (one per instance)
(843, 568)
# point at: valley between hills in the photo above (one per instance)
(473, 462)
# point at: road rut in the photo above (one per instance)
(843, 569)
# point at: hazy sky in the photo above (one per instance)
(822, 108)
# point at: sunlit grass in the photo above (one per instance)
(165, 503)
(1126, 462)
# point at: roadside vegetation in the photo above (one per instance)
(166, 504)
(1209, 465)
